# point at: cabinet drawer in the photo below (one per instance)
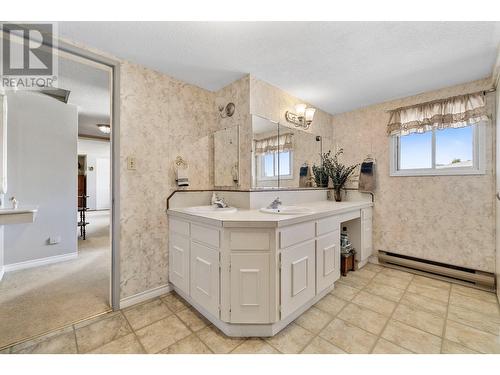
(209, 236)
(327, 225)
(297, 233)
(179, 226)
(249, 240)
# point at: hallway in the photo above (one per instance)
(34, 301)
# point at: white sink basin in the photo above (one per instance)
(17, 216)
(210, 210)
(287, 210)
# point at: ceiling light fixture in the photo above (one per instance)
(303, 116)
(105, 128)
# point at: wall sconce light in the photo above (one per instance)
(104, 128)
(227, 111)
(303, 116)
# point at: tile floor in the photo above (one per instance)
(373, 310)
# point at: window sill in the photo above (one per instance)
(265, 179)
(423, 173)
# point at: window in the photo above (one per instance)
(272, 165)
(450, 151)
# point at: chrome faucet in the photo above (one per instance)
(219, 202)
(275, 204)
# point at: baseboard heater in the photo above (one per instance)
(442, 271)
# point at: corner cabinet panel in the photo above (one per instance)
(250, 288)
(366, 234)
(327, 260)
(205, 277)
(178, 259)
(297, 276)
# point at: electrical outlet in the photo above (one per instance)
(131, 163)
(54, 240)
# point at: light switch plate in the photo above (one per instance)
(131, 163)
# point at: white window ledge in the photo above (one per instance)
(437, 172)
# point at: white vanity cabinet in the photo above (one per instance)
(205, 279)
(249, 291)
(298, 264)
(252, 278)
(327, 260)
(194, 262)
(178, 254)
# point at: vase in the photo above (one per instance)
(338, 194)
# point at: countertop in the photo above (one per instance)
(19, 210)
(255, 218)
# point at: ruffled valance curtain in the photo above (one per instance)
(454, 112)
(274, 144)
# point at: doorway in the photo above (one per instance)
(60, 277)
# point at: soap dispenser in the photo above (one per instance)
(14, 203)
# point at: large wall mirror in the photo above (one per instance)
(282, 157)
(226, 157)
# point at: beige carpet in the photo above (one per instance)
(41, 299)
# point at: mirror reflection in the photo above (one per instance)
(265, 150)
(283, 156)
(226, 157)
(300, 152)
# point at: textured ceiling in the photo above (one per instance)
(90, 92)
(337, 66)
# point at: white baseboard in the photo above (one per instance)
(144, 296)
(39, 262)
(2, 271)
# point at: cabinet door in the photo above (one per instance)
(250, 288)
(205, 277)
(178, 261)
(297, 276)
(327, 260)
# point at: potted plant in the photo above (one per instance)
(320, 175)
(338, 172)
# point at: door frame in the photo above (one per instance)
(114, 65)
(66, 47)
(496, 130)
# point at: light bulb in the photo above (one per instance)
(300, 109)
(309, 114)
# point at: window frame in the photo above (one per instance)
(260, 161)
(478, 157)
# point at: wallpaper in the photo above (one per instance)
(161, 118)
(448, 219)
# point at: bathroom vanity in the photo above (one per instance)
(251, 273)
